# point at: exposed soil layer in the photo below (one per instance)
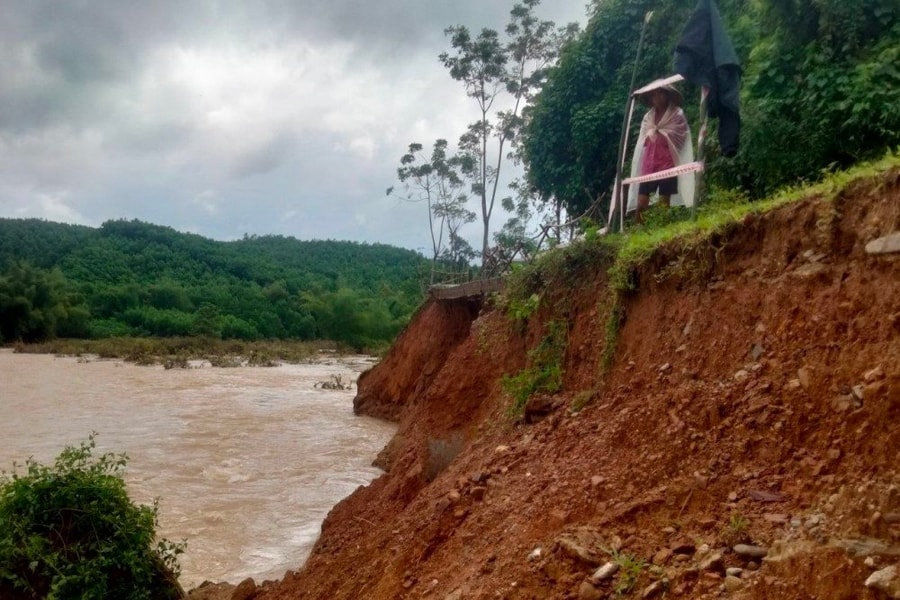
(753, 398)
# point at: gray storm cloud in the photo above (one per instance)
(225, 117)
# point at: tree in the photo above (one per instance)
(490, 69)
(437, 182)
(819, 81)
(36, 305)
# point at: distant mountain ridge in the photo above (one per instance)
(126, 272)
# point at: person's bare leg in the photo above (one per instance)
(643, 203)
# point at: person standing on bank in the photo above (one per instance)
(664, 142)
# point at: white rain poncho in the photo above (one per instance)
(682, 156)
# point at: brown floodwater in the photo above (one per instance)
(246, 462)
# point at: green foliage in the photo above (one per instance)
(736, 531)
(544, 372)
(821, 79)
(490, 67)
(611, 332)
(572, 136)
(821, 89)
(36, 304)
(630, 569)
(438, 182)
(69, 531)
(129, 278)
(521, 310)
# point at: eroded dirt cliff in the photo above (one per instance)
(750, 408)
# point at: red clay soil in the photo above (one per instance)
(753, 397)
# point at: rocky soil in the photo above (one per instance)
(744, 441)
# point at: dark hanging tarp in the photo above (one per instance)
(705, 57)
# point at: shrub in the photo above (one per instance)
(70, 531)
(545, 373)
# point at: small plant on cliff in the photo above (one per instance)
(544, 374)
(70, 531)
(630, 569)
(736, 530)
(521, 310)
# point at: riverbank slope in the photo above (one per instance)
(729, 424)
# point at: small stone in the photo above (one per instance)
(814, 521)
(885, 580)
(842, 403)
(732, 496)
(734, 571)
(756, 352)
(741, 375)
(752, 566)
(653, 589)
(605, 572)
(711, 562)
(858, 392)
(534, 554)
(453, 496)
(665, 367)
(587, 591)
(869, 562)
(732, 583)
(501, 449)
(661, 557)
(597, 480)
(803, 377)
(885, 245)
(748, 551)
(873, 375)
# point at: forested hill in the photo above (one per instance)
(134, 278)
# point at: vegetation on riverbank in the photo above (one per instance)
(70, 531)
(178, 352)
(133, 279)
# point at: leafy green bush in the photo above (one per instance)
(70, 531)
(545, 372)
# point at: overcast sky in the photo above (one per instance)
(226, 117)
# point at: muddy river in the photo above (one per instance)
(246, 462)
